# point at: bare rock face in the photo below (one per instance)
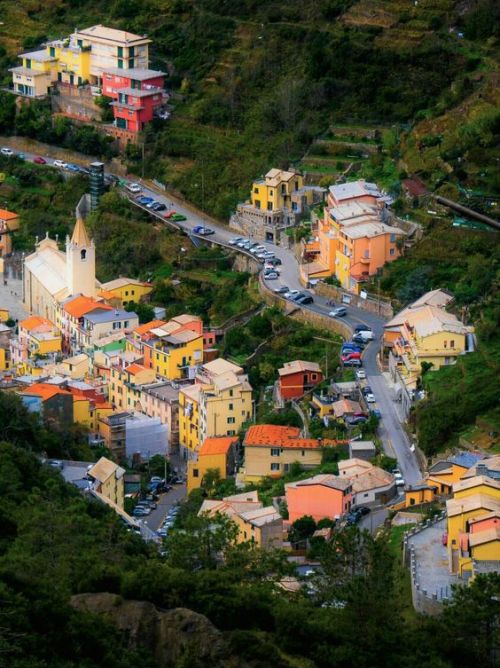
(175, 637)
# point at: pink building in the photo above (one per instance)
(136, 94)
(322, 496)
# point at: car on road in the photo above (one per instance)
(204, 231)
(360, 374)
(338, 312)
(267, 255)
(292, 293)
(365, 335)
(151, 204)
(352, 361)
(133, 188)
(364, 510)
(376, 413)
(350, 355)
(144, 200)
(369, 398)
(283, 289)
(307, 299)
(169, 214)
(70, 167)
(350, 346)
(257, 249)
(158, 206)
(156, 478)
(59, 163)
(8, 152)
(271, 276)
(362, 328)
(234, 241)
(359, 340)
(178, 217)
(353, 420)
(38, 160)
(294, 298)
(141, 511)
(242, 242)
(275, 261)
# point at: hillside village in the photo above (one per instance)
(284, 436)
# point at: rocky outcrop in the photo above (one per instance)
(177, 637)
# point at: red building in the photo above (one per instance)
(297, 377)
(136, 94)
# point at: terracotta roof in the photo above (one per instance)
(82, 305)
(269, 435)
(7, 215)
(34, 321)
(44, 390)
(135, 368)
(144, 329)
(324, 479)
(217, 445)
(371, 479)
(344, 406)
(298, 366)
(107, 294)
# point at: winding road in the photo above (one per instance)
(391, 431)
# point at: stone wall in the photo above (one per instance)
(371, 304)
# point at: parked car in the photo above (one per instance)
(271, 276)
(144, 200)
(305, 300)
(257, 249)
(132, 187)
(151, 204)
(234, 241)
(156, 478)
(362, 328)
(294, 298)
(159, 206)
(292, 293)
(242, 242)
(359, 340)
(364, 510)
(283, 289)
(8, 152)
(275, 261)
(365, 335)
(366, 389)
(353, 420)
(59, 163)
(350, 355)
(350, 346)
(141, 511)
(70, 167)
(353, 362)
(169, 214)
(38, 160)
(376, 413)
(370, 398)
(178, 217)
(360, 374)
(267, 255)
(338, 312)
(21, 156)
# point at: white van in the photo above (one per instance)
(134, 188)
(366, 334)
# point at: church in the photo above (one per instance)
(50, 275)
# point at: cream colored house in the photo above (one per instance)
(108, 480)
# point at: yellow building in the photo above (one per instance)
(127, 289)
(34, 77)
(256, 524)
(109, 480)
(9, 222)
(73, 61)
(76, 367)
(126, 383)
(4, 314)
(217, 408)
(275, 190)
(479, 484)
(219, 454)
(270, 450)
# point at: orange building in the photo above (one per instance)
(322, 496)
(355, 238)
(9, 222)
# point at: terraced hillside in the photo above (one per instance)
(256, 82)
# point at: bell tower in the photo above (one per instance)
(80, 261)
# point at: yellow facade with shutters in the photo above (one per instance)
(275, 190)
(73, 63)
(196, 470)
(125, 385)
(170, 362)
(4, 360)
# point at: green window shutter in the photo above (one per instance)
(120, 51)
(120, 64)
(52, 52)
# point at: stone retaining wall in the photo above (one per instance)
(372, 305)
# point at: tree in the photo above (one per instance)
(302, 529)
(144, 312)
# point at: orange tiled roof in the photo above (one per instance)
(44, 390)
(135, 368)
(217, 445)
(144, 329)
(34, 321)
(81, 305)
(7, 215)
(107, 294)
(284, 437)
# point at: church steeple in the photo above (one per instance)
(80, 235)
(80, 261)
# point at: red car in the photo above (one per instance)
(169, 214)
(39, 160)
(351, 356)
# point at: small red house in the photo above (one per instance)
(297, 377)
(136, 94)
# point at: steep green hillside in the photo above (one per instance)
(256, 81)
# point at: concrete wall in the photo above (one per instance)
(371, 305)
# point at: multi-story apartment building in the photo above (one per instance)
(276, 202)
(36, 74)
(37, 337)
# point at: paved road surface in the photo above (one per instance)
(166, 501)
(373, 520)
(392, 434)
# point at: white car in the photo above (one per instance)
(235, 240)
(370, 398)
(257, 249)
(271, 276)
(133, 188)
(366, 335)
(7, 152)
(291, 294)
(360, 374)
(59, 163)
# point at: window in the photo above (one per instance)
(126, 293)
(196, 473)
(231, 420)
(59, 76)
(314, 376)
(125, 324)
(452, 343)
(243, 413)
(392, 251)
(286, 468)
(296, 185)
(365, 495)
(231, 393)
(52, 52)
(79, 42)
(393, 238)
(257, 204)
(80, 81)
(303, 453)
(131, 51)
(131, 63)
(275, 452)
(231, 407)
(269, 206)
(275, 467)
(120, 51)
(28, 63)
(231, 432)
(120, 64)
(256, 191)
(132, 292)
